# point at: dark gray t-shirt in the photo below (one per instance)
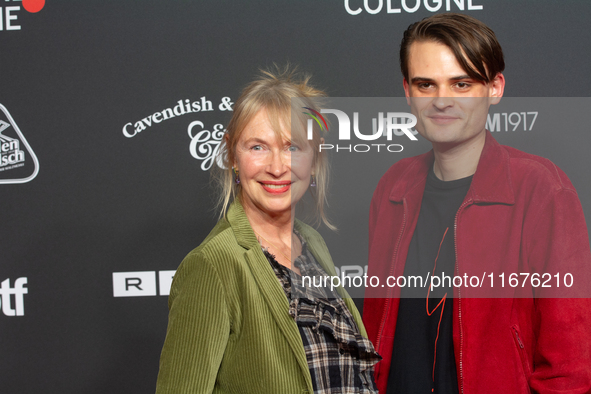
(423, 356)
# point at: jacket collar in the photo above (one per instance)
(491, 182)
(245, 235)
(241, 226)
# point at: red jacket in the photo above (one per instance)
(521, 214)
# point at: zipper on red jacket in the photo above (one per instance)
(394, 255)
(518, 339)
(522, 353)
(459, 294)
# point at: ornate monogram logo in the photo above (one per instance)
(205, 144)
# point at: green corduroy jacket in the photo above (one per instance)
(229, 330)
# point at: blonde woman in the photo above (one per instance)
(240, 321)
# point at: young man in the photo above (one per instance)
(472, 206)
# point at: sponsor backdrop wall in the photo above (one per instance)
(111, 112)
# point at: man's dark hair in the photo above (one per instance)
(474, 44)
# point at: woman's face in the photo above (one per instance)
(274, 174)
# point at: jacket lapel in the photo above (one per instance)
(268, 284)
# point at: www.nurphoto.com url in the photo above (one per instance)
(442, 280)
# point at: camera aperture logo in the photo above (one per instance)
(323, 125)
(18, 163)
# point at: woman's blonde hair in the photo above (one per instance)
(274, 91)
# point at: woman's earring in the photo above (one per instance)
(313, 181)
(237, 178)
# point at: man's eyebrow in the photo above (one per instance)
(416, 80)
(460, 77)
(420, 79)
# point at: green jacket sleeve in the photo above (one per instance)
(198, 329)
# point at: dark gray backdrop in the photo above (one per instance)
(76, 73)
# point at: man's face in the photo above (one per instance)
(451, 108)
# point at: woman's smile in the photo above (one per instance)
(276, 187)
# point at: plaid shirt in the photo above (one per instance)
(340, 359)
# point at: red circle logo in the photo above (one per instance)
(33, 5)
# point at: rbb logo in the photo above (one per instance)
(19, 291)
(351, 270)
(141, 283)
